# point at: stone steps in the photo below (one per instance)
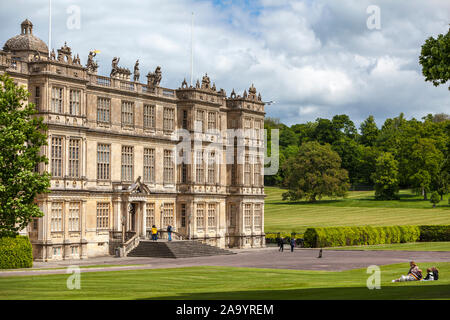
(175, 249)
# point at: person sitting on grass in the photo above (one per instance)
(435, 273)
(432, 274)
(414, 274)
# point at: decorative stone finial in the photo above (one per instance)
(27, 27)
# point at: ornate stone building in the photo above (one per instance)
(113, 151)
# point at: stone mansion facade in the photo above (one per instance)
(113, 151)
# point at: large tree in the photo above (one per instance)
(315, 172)
(369, 132)
(435, 59)
(425, 163)
(385, 177)
(21, 138)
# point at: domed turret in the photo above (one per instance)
(26, 41)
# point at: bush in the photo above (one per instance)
(435, 198)
(364, 235)
(15, 252)
(435, 233)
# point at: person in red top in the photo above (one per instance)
(414, 274)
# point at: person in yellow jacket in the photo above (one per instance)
(154, 233)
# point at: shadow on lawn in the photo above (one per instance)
(403, 199)
(396, 292)
(281, 202)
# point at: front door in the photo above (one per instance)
(133, 217)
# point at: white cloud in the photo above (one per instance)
(314, 58)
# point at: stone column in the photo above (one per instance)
(174, 224)
(242, 224)
(194, 218)
(83, 248)
(66, 252)
(83, 162)
(119, 204)
(263, 240)
(144, 219)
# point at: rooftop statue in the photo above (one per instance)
(154, 79)
(115, 66)
(136, 71)
(91, 65)
(206, 82)
(117, 72)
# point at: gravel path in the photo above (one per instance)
(300, 259)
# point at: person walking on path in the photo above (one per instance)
(292, 244)
(281, 245)
(154, 233)
(169, 232)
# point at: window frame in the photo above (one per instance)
(149, 165)
(57, 157)
(104, 168)
(57, 102)
(103, 110)
(149, 117)
(127, 163)
(168, 170)
(76, 102)
(102, 219)
(74, 162)
(127, 114)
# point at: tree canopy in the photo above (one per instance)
(420, 148)
(21, 138)
(435, 59)
(315, 171)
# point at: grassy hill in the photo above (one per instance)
(358, 208)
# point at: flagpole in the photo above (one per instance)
(49, 27)
(192, 48)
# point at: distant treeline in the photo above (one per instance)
(421, 148)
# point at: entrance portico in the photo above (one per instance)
(134, 199)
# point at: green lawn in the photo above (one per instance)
(228, 283)
(359, 208)
(415, 246)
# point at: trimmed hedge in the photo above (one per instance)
(364, 235)
(435, 233)
(15, 253)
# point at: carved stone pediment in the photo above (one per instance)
(138, 188)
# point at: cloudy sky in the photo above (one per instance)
(312, 58)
